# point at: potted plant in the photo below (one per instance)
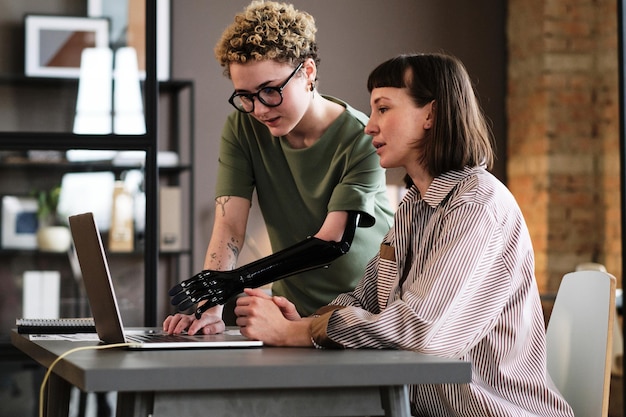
(52, 235)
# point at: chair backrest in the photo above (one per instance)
(590, 266)
(618, 338)
(579, 339)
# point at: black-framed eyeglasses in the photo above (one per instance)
(268, 96)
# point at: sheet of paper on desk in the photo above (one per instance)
(76, 337)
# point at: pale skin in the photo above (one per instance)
(301, 119)
(396, 124)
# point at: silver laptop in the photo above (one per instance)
(103, 303)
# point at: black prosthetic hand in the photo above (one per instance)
(217, 287)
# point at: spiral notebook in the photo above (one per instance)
(55, 326)
(103, 303)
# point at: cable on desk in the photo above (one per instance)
(63, 355)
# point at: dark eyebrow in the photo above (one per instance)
(259, 87)
(379, 99)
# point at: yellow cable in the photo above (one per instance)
(61, 356)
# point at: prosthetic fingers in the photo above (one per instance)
(217, 287)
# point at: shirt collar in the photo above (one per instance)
(442, 185)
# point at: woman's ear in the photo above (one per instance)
(310, 69)
(430, 117)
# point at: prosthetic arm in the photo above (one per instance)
(217, 287)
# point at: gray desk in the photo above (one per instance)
(243, 382)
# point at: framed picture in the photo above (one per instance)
(128, 28)
(19, 222)
(54, 43)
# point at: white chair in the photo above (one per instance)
(579, 340)
(590, 266)
(618, 337)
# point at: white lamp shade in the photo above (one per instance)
(128, 117)
(93, 104)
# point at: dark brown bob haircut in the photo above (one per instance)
(460, 136)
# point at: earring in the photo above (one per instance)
(312, 85)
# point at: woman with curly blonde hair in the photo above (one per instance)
(319, 185)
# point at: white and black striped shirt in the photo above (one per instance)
(455, 278)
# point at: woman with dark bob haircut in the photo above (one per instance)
(460, 136)
(454, 277)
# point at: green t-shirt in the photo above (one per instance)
(296, 188)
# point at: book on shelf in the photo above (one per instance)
(170, 218)
(55, 326)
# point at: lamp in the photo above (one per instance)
(109, 98)
(93, 104)
(128, 106)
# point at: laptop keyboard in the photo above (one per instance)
(159, 337)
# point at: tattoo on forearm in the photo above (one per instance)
(221, 201)
(215, 261)
(234, 248)
(229, 259)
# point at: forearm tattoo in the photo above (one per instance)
(231, 256)
(221, 201)
(234, 248)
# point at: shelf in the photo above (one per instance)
(65, 141)
(65, 166)
(23, 80)
(38, 114)
(110, 254)
(168, 266)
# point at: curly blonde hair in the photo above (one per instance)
(268, 30)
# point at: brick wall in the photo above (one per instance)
(563, 132)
